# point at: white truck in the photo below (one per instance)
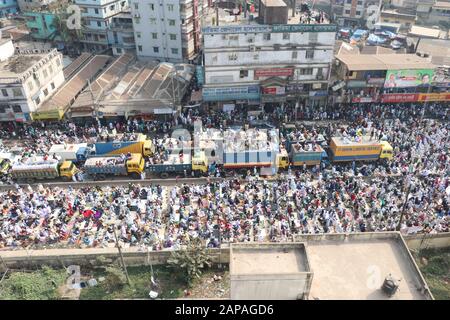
(71, 152)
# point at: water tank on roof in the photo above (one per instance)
(390, 286)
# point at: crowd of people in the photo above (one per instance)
(327, 198)
(222, 211)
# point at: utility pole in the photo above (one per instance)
(404, 207)
(121, 255)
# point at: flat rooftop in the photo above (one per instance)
(225, 19)
(353, 267)
(18, 64)
(265, 259)
(364, 62)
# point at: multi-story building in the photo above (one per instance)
(405, 19)
(27, 80)
(8, 7)
(96, 18)
(121, 33)
(168, 30)
(350, 13)
(40, 19)
(247, 61)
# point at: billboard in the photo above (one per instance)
(408, 78)
(274, 72)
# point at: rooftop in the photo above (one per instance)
(364, 62)
(424, 32)
(274, 3)
(266, 259)
(442, 5)
(18, 64)
(354, 266)
(226, 19)
(438, 49)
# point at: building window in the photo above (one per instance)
(152, 7)
(358, 13)
(50, 69)
(45, 73)
(243, 74)
(170, 7)
(154, 35)
(266, 36)
(138, 20)
(173, 36)
(152, 20)
(99, 24)
(174, 51)
(313, 37)
(30, 85)
(309, 54)
(294, 54)
(306, 71)
(360, 3)
(136, 6)
(286, 36)
(232, 57)
(17, 92)
(256, 57)
(155, 49)
(140, 48)
(347, 12)
(37, 101)
(17, 108)
(4, 92)
(96, 11)
(112, 8)
(52, 85)
(45, 92)
(171, 22)
(138, 35)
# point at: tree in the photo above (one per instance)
(70, 37)
(190, 261)
(115, 279)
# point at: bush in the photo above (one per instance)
(115, 279)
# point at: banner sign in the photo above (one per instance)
(275, 72)
(274, 90)
(285, 28)
(401, 97)
(231, 93)
(408, 78)
(445, 96)
(363, 100)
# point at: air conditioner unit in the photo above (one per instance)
(252, 48)
(276, 47)
(251, 40)
(224, 37)
(137, 15)
(36, 51)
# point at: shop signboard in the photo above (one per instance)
(408, 78)
(274, 90)
(445, 96)
(283, 28)
(321, 93)
(274, 72)
(231, 93)
(363, 100)
(399, 98)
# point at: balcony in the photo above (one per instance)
(123, 27)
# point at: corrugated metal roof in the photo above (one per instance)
(384, 62)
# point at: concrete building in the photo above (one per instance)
(168, 30)
(97, 17)
(8, 7)
(269, 271)
(249, 63)
(121, 33)
(351, 13)
(385, 78)
(27, 81)
(326, 267)
(406, 20)
(440, 14)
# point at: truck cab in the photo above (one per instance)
(387, 152)
(68, 170)
(200, 162)
(149, 148)
(283, 159)
(136, 164)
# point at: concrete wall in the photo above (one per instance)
(59, 257)
(427, 241)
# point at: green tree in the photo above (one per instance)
(190, 261)
(70, 37)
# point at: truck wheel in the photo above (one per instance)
(135, 175)
(164, 175)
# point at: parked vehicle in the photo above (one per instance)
(342, 149)
(76, 153)
(102, 167)
(38, 168)
(121, 144)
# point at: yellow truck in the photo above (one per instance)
(101, 167)
(38, 168)
(343, 149)
(123, 144)
(192, 162)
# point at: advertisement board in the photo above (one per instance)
(445, 96)
(275, 72)
(274, 90)
(401, 97)
(408, 78)
(231, 93)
